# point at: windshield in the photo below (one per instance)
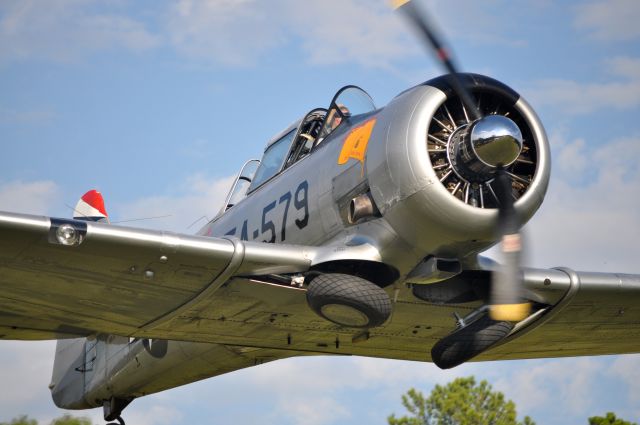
(272, 160)
(349, 101)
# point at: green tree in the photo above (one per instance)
(460, 402)
(21, 420)
(71, 420)
(610, 419)
(62, 420)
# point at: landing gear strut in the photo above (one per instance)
(112, 409)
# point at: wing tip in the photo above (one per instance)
(91, 207)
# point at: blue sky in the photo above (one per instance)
(158, 104)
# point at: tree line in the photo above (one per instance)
(462, 401)
(62, 420)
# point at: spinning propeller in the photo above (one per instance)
(487, 146)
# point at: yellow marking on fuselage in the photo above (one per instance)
(356, 142)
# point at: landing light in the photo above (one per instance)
(68, 235)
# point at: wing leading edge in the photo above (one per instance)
(134, 282)
(598, 314)
(62, 278)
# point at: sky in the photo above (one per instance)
(158, 103)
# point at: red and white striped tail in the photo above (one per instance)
(91, 207)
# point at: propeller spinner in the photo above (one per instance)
(482, 150)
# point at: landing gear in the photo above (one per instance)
(156, 347)
(112, 409)
(475, 334)
(348, 300)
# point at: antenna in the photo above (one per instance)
(192, 224)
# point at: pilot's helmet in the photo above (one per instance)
(344, 110)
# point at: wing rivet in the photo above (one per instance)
(163, 259)
(149, 274)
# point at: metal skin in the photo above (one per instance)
(146, 310)
(417, 212)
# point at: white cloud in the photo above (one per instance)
(28, 363)
(627, 369)
(35, 197)
(589, 219)
(609, 20)
(577, 98)
(197, 199)
(541, 383)
(625, 67)
(318, 389)
(363, 32)
(155, 414)
(224, 31)
(242, 32)
(330, 32)
(572, 159)
(316, 411)
(64, 30)
(27, 117)
(327, 374)
(494, 23)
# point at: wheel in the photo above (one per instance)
(348, 300)
(465, 343)
(156, 347)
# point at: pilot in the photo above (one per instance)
(333, 120)
(337, 117)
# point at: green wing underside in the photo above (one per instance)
(150, 284)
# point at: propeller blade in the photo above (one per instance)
(506, 302)
(419, 20)
(506, 297)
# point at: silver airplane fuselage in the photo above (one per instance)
(308, 202)
(422, 204)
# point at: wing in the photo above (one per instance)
(152, 284)
(598, 313)
(578, 314)
(61, 278)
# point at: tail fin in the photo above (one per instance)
(91, 207)
(67, 382)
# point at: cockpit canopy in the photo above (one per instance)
(298, 140)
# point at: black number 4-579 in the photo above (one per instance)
(268, 229)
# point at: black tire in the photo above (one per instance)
(348, 300)
(465, 343)
(156, 347)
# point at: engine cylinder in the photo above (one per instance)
(433, 178)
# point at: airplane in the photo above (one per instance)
(358, 232)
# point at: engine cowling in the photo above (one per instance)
(432, 179)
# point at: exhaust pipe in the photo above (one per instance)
(361, 207)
